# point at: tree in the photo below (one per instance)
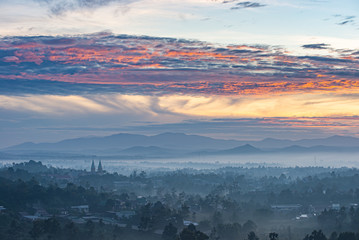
(190, 233)
(169, 232)
(249, 226)
(145, 224)
(333, 236)
(116, 232)
(213, 235)
(37, 229)
(89, 228)
(52, 226)
(252, 236)
(229, 231)
(217, 218)
(316, 235)
(100, 232)
(273, 236)
(146, 221)
(184, 212)
(142, 174)
(14, 228)
(70, 231)
(347, 236)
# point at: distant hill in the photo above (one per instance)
(122, 141)
(338, 141)
(245, 149)
(179, 144)
(328, 149)
(294, 149)
(335, 141)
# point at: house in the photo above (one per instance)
(141, 200)
(35, 217)
(81, 208)
(42, 213)
(91, 218)
(335, 206)
(187, 223)
(302, 217)
(78, 220)
(354, 205)
(286, 207)
(125, 214)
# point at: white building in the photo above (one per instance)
(81, 208)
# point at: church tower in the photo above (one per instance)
(93, 169)
(99, 168)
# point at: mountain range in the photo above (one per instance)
(177, 145)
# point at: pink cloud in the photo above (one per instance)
(11, 59)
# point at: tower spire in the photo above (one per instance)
(93, 169)
(99, 168)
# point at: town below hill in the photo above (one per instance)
(44, 202)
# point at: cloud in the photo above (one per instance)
(97, 80)
(316, 46)
(60, 41)
(52, 104)
(107, 63)
(257, 128)
(59, 7)
(240, 126)
(188, 105)
(327, 59)
(242, 5)
(229, 1)
(345, 20)
(11, 59)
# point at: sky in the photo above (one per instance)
(227, 69)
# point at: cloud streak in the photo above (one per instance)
(241, 128)
(60, 7)
(345, 20)
(188, 106)
(316, 46)
(242, 5)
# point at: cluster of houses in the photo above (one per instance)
(312, 211)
